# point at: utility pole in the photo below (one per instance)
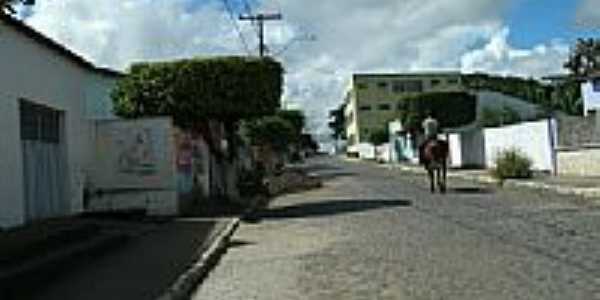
(261, 18)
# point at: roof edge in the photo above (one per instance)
(25, 29)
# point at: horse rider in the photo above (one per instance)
(430, 127)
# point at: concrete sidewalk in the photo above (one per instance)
(149, 264)
(587, 187)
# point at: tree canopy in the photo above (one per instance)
(337, 122)
(584, 58)
(274, 130)
(451, 109)
(191, 90)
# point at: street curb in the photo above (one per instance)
(562, 190)
(185, 285)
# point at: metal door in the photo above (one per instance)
(44, 161)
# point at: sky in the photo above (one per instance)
(322, 43)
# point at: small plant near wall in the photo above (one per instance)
(512, 164)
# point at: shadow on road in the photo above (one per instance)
(334, 175)
(328, 208)
(471, 190)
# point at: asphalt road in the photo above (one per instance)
(376, 233)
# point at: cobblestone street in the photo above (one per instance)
(374, 233)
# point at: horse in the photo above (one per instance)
(435, 157)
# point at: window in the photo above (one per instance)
(596, 84)
(362, 86)
(398, 87)
(385, 107)
(414, 86)
(39, 123)
(365, 108)
(435, 82)
(402, 105)
(453, 81)
(382, 84)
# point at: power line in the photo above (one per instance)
(248, 9)
(235, 25)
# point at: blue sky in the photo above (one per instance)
(537, 21)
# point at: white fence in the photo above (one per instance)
(534, 139)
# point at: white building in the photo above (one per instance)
(590, 91)
(48, 99)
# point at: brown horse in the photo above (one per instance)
(435, 157)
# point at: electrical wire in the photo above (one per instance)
(235, 25)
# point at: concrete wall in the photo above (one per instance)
(135, 163)
(33, 72)
(575, 131)
(12, 206)
(534, 139)
(583, 161)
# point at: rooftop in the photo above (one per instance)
(409, 74)
(55, 46)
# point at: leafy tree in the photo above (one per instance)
(338, 122)
(493, 117)
(274, 131)
(564, 97)
(584, 58)
(201, 94)
(295, 117)
(451, 109)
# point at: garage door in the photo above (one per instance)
(44, 161)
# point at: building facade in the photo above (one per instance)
(48, 99)
(373, 100)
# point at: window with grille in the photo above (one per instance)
(39, 123)
(385, 107)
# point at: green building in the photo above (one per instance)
(373, 100)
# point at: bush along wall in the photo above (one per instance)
(451, 109)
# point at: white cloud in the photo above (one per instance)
(588, 14)
(497, 56)
(352, 36)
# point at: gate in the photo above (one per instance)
(44, 161)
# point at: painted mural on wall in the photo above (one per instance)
(137, 154)
(134, 154)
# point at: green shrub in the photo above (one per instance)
(512, 164)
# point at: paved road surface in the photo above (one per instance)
(374, 233)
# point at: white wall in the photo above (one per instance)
(128, 172)
(583, 161)
(532, 138)
(12, 204)
(591, 98)
(455, 145)
(38, 74)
